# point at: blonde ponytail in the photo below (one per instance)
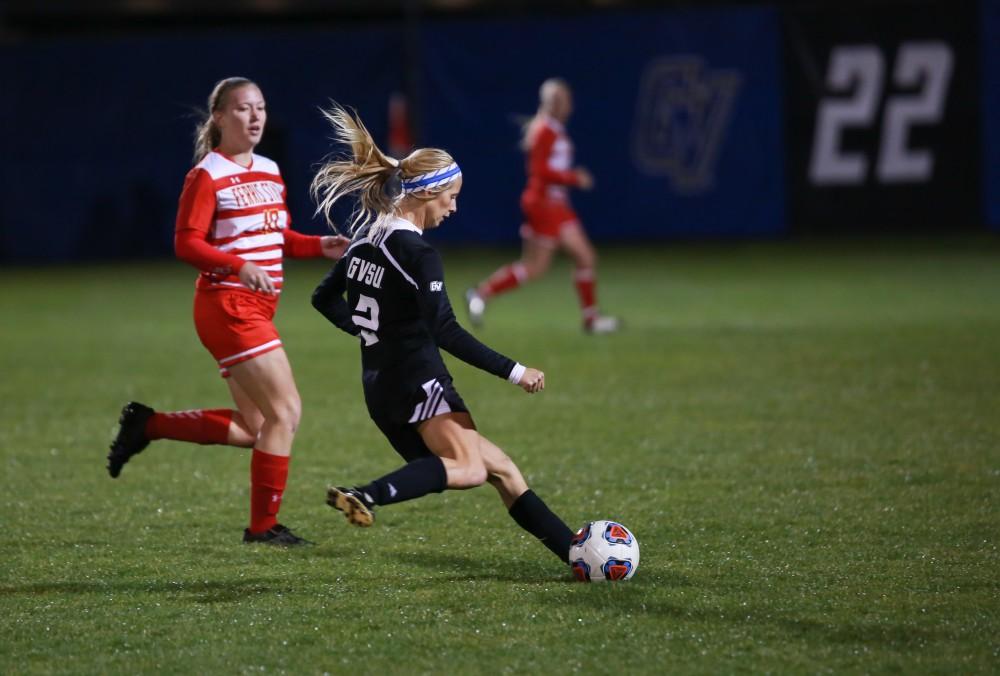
(376, 178)
(207, 136)
(364, 171)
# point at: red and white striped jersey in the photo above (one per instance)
(550, 161)
(230, 214)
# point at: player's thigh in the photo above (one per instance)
(574, 241)
(268, 381)
(404, 439)
(451, 435)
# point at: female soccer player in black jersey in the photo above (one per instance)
(397, 304)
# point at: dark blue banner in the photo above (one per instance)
(678, 115)
(97, 134)
(990, 26)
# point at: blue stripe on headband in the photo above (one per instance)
(432, 178)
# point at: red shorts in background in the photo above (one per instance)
(235, 325)
(545, 220)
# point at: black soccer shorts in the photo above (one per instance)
(399, 422)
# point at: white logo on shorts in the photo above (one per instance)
(437, 286)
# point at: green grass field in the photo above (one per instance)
(804, 437)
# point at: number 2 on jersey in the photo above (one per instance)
(367, 319)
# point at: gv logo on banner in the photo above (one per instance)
(859, 72)
(682, 115)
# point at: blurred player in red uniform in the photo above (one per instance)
(550, 222)
(233, 225)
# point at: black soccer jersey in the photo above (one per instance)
(397, 304)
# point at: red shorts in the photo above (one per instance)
(235, 325)
(545, 220)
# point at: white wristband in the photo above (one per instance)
(516, 373)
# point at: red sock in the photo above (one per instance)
(268, 475)
(586, 289)
(205, 426)
(506, 278)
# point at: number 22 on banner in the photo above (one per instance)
(927, 65)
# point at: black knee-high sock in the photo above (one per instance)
(412, 480)
(533, 515)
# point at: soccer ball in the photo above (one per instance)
(604, 550)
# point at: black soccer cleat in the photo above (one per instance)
(277, 535)
(131, 438)
(356, 505)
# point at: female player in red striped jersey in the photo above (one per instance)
(550, 222)
(233, 225)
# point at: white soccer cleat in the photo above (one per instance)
(602, 324)
(476, 306)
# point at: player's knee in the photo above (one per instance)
(287, 413)
(473, 473)
(586, 259)
(477, 475)
(501, 468)
(242, 432)
(254, 424)
(535, 269)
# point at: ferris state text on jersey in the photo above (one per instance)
(250, 215)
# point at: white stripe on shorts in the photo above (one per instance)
(434, 404)
(253, 350)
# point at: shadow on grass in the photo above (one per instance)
(542, 571)
(202, 591)
(849, 633)
(457, 568)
